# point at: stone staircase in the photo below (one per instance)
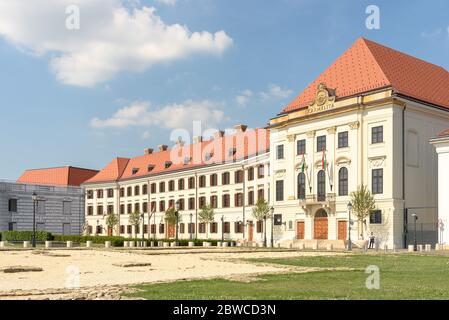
(315, 244)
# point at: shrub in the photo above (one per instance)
(25, 235)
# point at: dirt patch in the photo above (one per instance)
(17, 269)
(132, 265)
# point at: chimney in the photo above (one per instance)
(162, 147)
(218, 135)
(240, 127)
(180, 143)
(148, 151)
(197, 139)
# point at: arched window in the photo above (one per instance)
(321, 185)
(301, 186)
(343, 182)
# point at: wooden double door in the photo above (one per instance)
(342, 230)
(321, 225)
(300, 230)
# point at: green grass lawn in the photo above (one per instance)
(401, 277)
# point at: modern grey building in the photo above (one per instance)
(59, 205)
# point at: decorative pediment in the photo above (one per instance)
(298, 166)
(280, 173)
(324, 100)
(377, 162)
(342, 161)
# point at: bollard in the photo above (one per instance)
(144, 244)
(225, 244)
(26, 244)
(437, 247)
(420, 248)
(411, 248)
(88, 244)
(174, 244)
(191, 244)
(428, 248)
(107, 244)
(206, 244)
(151, 244)
(2, 244)
(48, 244)
(69, 244)
(219, 244)
(301, 246)
(126, 244)
(132, 244)
(160, 243)
(315, 246)
(232, 244)
(330, 247)
(166, 245)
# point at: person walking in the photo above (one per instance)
(372, 241)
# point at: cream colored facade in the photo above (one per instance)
(154, 216)
(404, 155)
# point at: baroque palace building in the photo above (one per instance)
(365, 121)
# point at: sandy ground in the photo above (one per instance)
(63, 269)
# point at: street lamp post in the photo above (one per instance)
(222, 228)
(190, 226)
(349, 227)
(415, 243)
(177, 218)
(265, 230)
(34, 197)
(272, 226)
(143, 226)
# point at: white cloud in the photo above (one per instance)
(432, 34)
(275, 92)
(172, 116)
(243, 98)
(112, 38)
(167, 2)
(146, 135)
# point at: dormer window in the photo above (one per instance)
(168, 164)
(150, 168)
(209, 156)
(187, 160)
(135, 170)
(232, 151)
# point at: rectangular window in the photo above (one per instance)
(153, 188)
(122, 209)
(122, 229)
(378, 181)
(251, 174)
(227, 227)
(90, 194)
(320, 143)
(261, 172)
(202, 228)
(182, 228)
(238, 176)
(343, 140)
(161, 228)
(260, 194)
(259, 226)
(191, 203)
(129, 208)
(191, 228)
(238, 227)
(280, 152)
(280, 190)
(110, 193)
(301, 147)
(377, 134)
(129, 229)
(145, 189)
(99, 194)
(66, 207)
(251, 198)
(90, 211)
(375, 217)
(214, 227)
(122, 192)
(277, 219)
(66, 229)
(153, 229)
(12, 205)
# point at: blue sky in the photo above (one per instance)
(253, 58)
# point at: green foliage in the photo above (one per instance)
(170, 216)
(261, 210)
(134, 218)
(111, 220)
(206, 214)
(362, 204)
(25, 235)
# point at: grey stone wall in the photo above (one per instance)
(53, 218)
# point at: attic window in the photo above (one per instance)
(168, 164)
(150, 168)
(209, 156)
(187, 160)
(135, 170)
(232, 151)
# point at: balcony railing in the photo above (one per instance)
(312, 199)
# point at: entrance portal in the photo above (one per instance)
(320, 229)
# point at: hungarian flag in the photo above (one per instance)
(303, 166)
(324, 160)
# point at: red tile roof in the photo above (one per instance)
(444, 133)
(368, 66)
(60, 176)
(245, 144)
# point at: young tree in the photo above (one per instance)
(206, 215)
(111, 221)
(261, 211)
(134, 220)
(362, 205)
(170, 216)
